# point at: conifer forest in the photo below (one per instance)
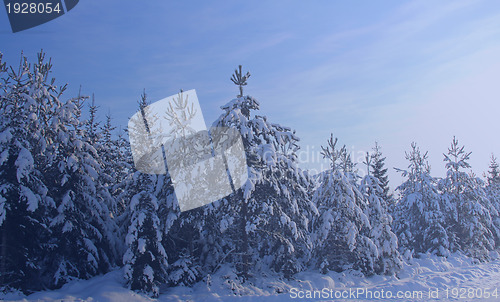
(73, 206)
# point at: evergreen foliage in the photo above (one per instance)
(56, 222)
(469, 211)
(379, 171)
(145, 260)
(419, 214)
(25, 139)
(266, 223)
(73, 206)
(388, 259)
(353, 229)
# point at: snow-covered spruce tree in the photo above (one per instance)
(91, 125)
(145, 260)
(493, 192)
(490, 205)
(493, 176)
(182, 239)
(50, 183)
(379, 171)
(108, 152)
(180, 230)
(420, 215)
(94, 136)
(111, 167)
(83, 230)
(388, 258)
(342, 228)
(266, 223)
(123, 174)
(27, 98)
(117, 177)
(123, 181)
(469, 215)
(183, 245)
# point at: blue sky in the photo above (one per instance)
(391, 71)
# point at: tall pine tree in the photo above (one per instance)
(266, 223)
(420, 219)
(379, 171)
(83, 228)
(388, 259)
(469, 215)
(56, 223)
(27, 99)
(145, 260)
(493, 192)
(342, 228)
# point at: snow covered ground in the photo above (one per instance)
(464, 279)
